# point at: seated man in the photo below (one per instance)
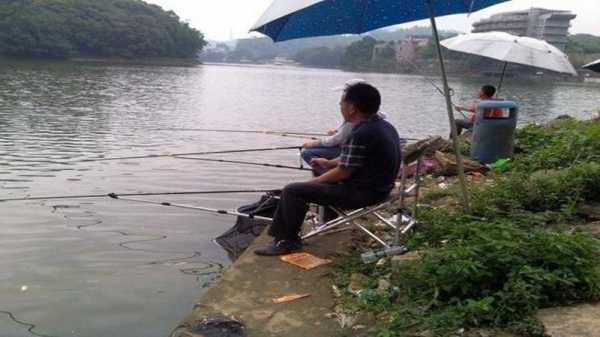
(364, 174)
(330, 147)
(486, 93)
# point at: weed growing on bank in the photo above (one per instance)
(515, 251)
(559, 144)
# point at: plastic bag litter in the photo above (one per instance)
(212, 325)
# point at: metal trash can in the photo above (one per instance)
(493, 136)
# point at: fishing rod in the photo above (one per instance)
(311, 135)
(196, 208)
(245, 163)
(118, 195)
(451, 91)
(268, 132)
(192, 154)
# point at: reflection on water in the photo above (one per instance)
(101, 267)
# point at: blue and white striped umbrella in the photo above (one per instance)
(292, 19)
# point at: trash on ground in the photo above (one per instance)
(289, 298)
(304, 260)
(213, 325)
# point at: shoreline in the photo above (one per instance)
(168, 62)
(562, 78)
(245, 290)
(158, 61)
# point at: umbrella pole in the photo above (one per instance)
(459, 159)
(501, 78)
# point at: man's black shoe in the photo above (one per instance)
(281, 247)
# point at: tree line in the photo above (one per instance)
(92, 28)
(357, 54)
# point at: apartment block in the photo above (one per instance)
(544, 24)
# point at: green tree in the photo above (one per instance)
(320, 57)
(358, 54)
(108, 28)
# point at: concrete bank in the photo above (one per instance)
(246, 289)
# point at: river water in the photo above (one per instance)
(103, 267)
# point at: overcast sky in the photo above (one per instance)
(222, 19)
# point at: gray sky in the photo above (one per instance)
(222, 19)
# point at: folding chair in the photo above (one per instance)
(402, 221)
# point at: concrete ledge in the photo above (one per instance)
(245, 291)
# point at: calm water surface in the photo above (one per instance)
(101, 267)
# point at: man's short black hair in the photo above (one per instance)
(364, 97)
(489, 90)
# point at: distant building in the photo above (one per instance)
(381, 48)
(405, 50)
(544, 24)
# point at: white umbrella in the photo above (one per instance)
(512, 49)
(594, 66)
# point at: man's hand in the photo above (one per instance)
(333, 176)
(312, 143)
(472, 109)
(323, 163)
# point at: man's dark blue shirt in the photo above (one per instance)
(372, 153)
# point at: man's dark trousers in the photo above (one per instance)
(295, 198)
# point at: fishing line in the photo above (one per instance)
(192, 154)
(245, 163)
(150, 237)
(302, 135)
(30, 326)
(451, 91)
(207, 270)
(112, 195)
(277, 133)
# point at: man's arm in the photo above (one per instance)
(343, 132)
(471, 108)
(335, 173)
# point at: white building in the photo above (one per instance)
(544, 24)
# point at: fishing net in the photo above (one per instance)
(242, 234)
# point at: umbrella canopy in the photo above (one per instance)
(594, 66)
(292, 19)
(512, 49)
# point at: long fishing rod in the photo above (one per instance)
(268, 132)
(414, 65)
(118, 195)
(196, 208)
(245, 163)
(192, 153)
